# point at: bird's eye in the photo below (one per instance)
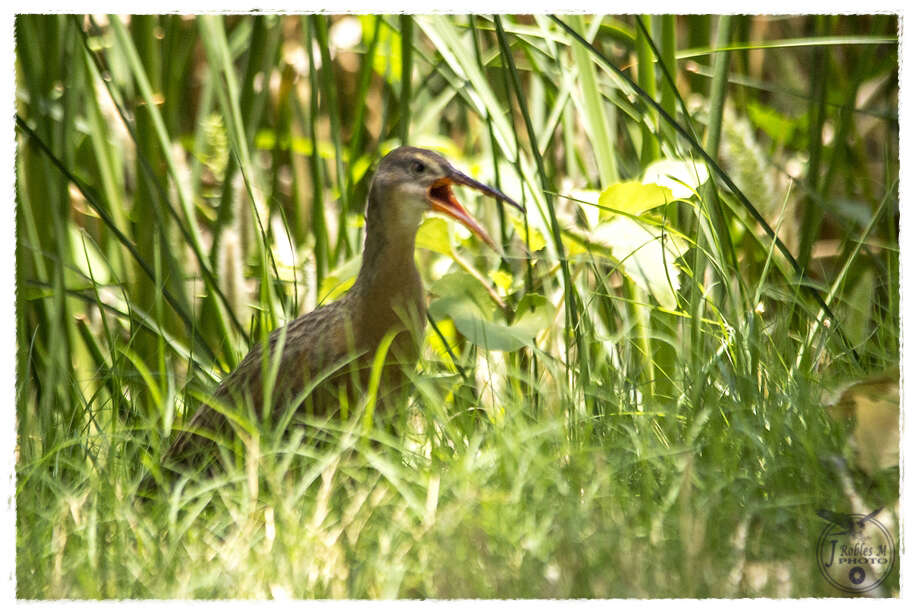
(418, 167)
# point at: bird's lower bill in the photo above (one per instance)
(442, 200)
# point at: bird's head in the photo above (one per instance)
(411, 181)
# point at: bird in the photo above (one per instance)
(329, 351)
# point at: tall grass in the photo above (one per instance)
(187, 184)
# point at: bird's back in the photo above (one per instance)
(322, 354)
(309, 344)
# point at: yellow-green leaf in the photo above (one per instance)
(633, 197)
(502, 279)
(338, 281)
(536, 240)
(446, 328)
(433, 235)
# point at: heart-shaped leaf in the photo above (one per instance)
(462, 299)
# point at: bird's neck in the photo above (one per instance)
(389, 287)
(387, 258)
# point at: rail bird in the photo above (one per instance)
(329, 351)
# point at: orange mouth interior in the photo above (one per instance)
(440, 193)
(442, 199)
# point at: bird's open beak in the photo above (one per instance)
(442, 199)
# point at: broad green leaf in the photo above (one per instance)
(485, 333)
(681, 177)
(633, 197)
(433, 235)
(464, 286)
(646, 255)
(535, 312)
(468, 305)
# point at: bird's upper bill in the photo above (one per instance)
(442, 199)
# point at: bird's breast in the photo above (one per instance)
(396, 304)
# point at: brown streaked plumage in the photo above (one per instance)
(387, 297)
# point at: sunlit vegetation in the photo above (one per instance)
(650, 392)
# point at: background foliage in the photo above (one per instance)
(647, 395)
